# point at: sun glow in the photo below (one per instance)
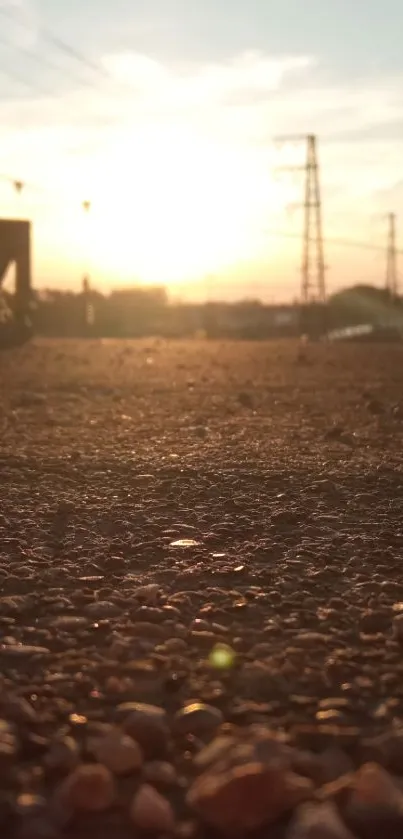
(173, 205)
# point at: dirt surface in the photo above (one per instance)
(170, 508)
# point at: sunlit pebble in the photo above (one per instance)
(151, 812)
(29, 804)
(184, 543)
(77, 719)
(197, 719)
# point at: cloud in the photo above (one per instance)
(19, 23)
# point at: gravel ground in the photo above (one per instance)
(201, 599)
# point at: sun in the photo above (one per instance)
(170, 206)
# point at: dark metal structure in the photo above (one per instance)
(313, 308)
(313, 286)
(15, 247)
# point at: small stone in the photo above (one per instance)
(20, 651)
(148, 630)
(63, 755)
(102, 609)
(247, 796)
(8, 746)
(375, 804)
(398, 627)
(29, 805)
(65, 622)
(151, 812)
(34, 818)
(373, 786)
(387, 749)
(19, 710)
(318, 821)
(147, 724)
(149, 593)
(218, 750)
(160, 773)
(198, 719)
(373, 621)
(118, 752)
(90, 787)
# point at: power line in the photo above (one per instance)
(332, 240)
(45, 60)
(62, 45)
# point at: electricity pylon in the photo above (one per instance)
(313, 269)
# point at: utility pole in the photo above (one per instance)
(313, 288)
(313, 269)
(391, 257)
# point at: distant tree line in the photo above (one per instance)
(140, 312)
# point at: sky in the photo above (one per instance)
(166, 115)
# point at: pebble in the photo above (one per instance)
(63, 755)
(8, 746)
(149, 593)
(102, 609)
(198, 719)
(160, 773)
(388, 749)
(118, 752)
(375, 621)
(89, 788)
(22, 651)
(65, 622)
(373, 786)
(151, 812)
(247, 796)
(147, 724)
(18, 709)
(318, 821)
(374, 806)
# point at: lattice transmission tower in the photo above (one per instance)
(391, 258)
(313, 269)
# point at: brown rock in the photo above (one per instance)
(247, 796)
(63, 755)
(198, 719)
(147, 724)
(160, 774)
(149, 593)
(90, 787)
(216, 751)
(388, 750)
(374, 621)
(373, 786)
(318, 821)
(118, 752)
(151, 812)
(375, 805)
